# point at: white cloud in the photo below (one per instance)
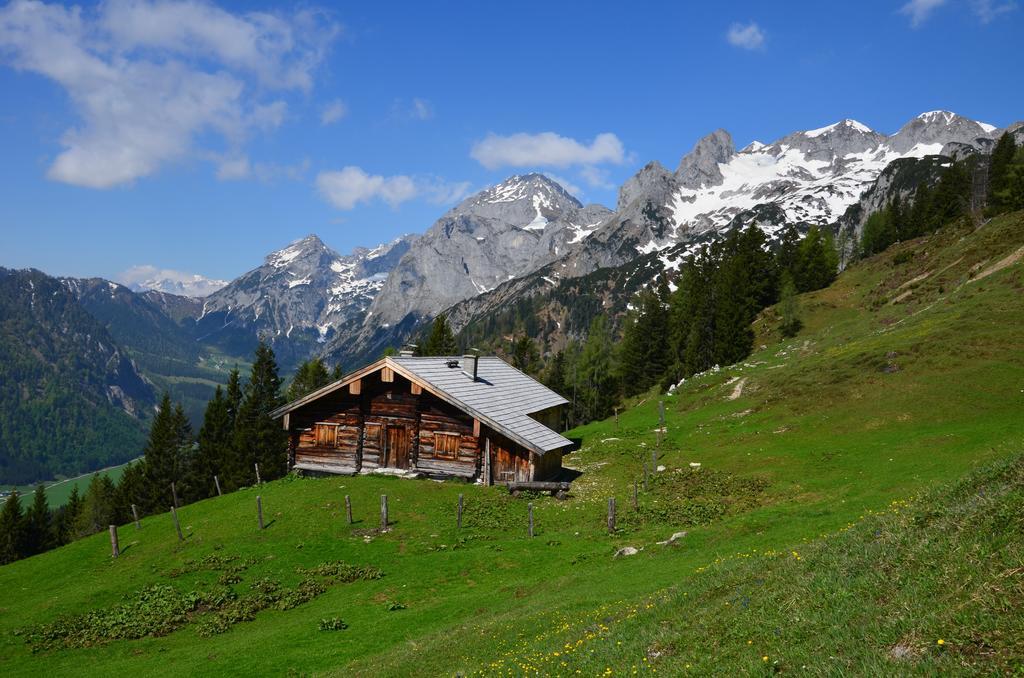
(149, 78)
(596, 177)
(333, 112)
(746, 36)
(546, 148)
(349, 186)
(415, 109)
(237, 167)
(920, 10)
(149, 277)
(987, 11)
(422, 109)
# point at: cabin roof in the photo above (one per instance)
(501, 397)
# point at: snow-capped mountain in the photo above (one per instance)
(298, 298)
(146, 278)
(498, 234)
(808, 177)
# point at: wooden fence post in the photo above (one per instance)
(348, 508)
(383, 511)
(114, 550)
(177, 525)
(636, 504)
(661, 414)
(174, 493)
(259, 510)
(530, 510)
(611, 515)
(135, 515)
(645, 477)
(258, 481)
(216, 481)
(616, 419)
(459, 521)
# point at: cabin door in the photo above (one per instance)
(397, 452)
(506, 467)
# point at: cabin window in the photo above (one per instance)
(446, 444)
(326, 435)
(371, 435)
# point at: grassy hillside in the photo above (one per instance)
(858, 498)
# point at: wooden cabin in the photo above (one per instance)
(477, 418)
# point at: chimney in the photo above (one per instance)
(469, 365)
(407, 351)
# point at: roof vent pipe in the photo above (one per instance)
(469, 365)
(408, 351)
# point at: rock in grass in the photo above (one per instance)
(626, 551)
(673, 539)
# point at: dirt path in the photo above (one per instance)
(1000, 265)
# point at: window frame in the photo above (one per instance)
(332, 439)
(439, 450)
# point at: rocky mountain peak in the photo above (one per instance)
(699, 167)
(929, 132)
(301, 250)
(526, 190)
(652, 179)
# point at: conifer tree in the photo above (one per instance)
(789, 308)
(441, 341)
(68, 516)
(311, 375)
(525, 356)
(233, 395)
(554, 374)
(817, 261)
(337, 373)
(920, 218)
(215, 450)
(39, 534)
(999, 174)
(12, 530)
(257, 437)
(98, 506)
(131, 489)
(951, 197)
(167, 456)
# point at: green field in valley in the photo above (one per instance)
(859, 496)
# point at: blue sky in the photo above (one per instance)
(197, 137)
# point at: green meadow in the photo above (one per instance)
(850, 497)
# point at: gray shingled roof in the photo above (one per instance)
(501, 393)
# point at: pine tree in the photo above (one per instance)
(166, 456)
(999, 174)
(817, 261)
(12, 530)
(233, 396)
(951, 197)
(215, 451)
(68, 516)
(131, 489)
(98, 506)
(39, 534)
(920, 217)
(554, 374)
(525, 356)
(789, 308)
(441, 341)
(337, 373)
(596, 380)
(258, 439)
(310, 376)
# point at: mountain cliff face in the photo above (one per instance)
(497, 235)
(298, 299)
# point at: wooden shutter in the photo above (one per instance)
(327, 435)
(446, 444)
